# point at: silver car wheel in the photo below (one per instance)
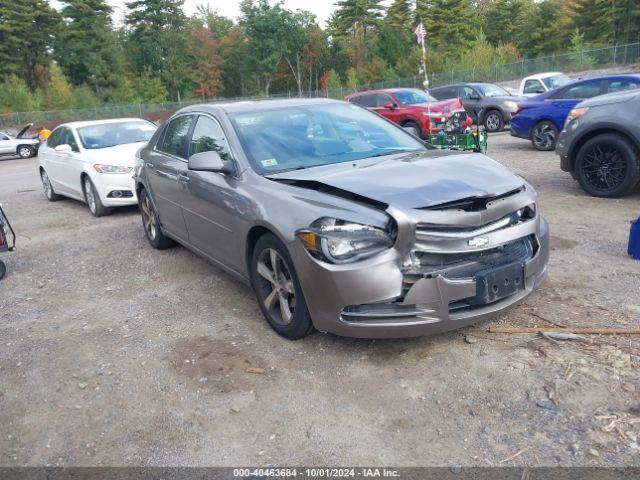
(149, 218)
(544, 137)
(492, 122)
(277, 291)
(89, 195)
(24, 152)
(46, 184)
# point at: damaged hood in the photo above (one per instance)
(414, 180)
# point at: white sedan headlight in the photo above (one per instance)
(111, 168)
(340, 241)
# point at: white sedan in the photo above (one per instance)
(94, 162)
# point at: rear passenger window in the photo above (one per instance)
(622, 84)
(368, 101)
(445, 93)
(175, 136)
(584, 90)
(208, 137)
(532, 86)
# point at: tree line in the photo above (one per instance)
(78, 57)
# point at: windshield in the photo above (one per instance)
(111, 134)
(556, 81)
(490, 90)
(411, 97)
(306, 136)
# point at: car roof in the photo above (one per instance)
(384, 90)
(89, 123)
(540, 76)
(259, 105)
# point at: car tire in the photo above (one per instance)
(275, 283)
(92, 198)
(151, 224)
(493, 121)
(3, 269)
(602, 157)
(51, 195)
(25, 151)
(413, 128)
(544, 136)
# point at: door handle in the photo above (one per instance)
(183, 178)
(150, 165)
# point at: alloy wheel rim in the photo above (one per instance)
(148, 218)
(88, 192)
(544, 136)
(493, 121)
(276, 287)
(48, 190)
(24, 152)
(604, 168)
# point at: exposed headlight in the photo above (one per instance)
(340, 241)
(576, 113)
(511, 106)
(111, 169)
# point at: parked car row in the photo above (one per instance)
(339, 219)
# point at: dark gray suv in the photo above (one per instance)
(600, 144)
(494, 104)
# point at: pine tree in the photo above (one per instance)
(158, 41)
(86, 49)
(451, 24)
(400, 14)
(355, 14)
(500, 20)
(27, 29)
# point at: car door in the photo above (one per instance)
(393, 114)
(567, 98)
(209, 206)
(166, 167)
(470, 98)
(70, 164)
(6, 145)
(56, 163)
(533, 87)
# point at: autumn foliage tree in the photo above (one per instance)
(207, 75)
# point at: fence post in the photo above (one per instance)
(614, 53)
(140, 109)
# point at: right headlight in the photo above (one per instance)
(340, 241)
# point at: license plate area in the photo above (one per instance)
(498, 283)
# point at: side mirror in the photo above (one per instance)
(64, 148)
(210, 162)
(389, 105)
(540, 90)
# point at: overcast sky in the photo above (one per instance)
(230, 8)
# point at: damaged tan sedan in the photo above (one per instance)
(340, 220)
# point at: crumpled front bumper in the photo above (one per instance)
(332, 291)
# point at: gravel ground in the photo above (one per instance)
(113, 353)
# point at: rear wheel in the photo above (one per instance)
(607, 166)
(151, 225)
(3, 270)
(544, 136)
(48, 188)
(413, 128)
(93, 199)
(26, 151)
(276, 285)
(493, 121)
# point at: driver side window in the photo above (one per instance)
(467, 92)
(54, 138)
(69, 139)
(208, 137)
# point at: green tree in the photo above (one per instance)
(545, 28)
(499, 20)
(27, 31)
(607, 22)
(15, 96)
(451, 25)
(265, 28)
(158, 40)
(400, 15)
(86, 47)
(58, 91)
(234, 53)
(83, 97)
(218, 25)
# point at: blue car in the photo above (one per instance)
(541, 118)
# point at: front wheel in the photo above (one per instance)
(493, 121)
(544, 136)
(25, 151)
(276, 285)
(607, 166)
(413, 128)
(3, 269)
(93, 199)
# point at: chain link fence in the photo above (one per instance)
(598, 58)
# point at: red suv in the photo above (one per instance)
(413, 109)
